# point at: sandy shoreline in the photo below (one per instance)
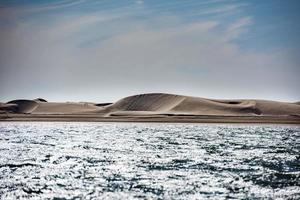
(166, 119)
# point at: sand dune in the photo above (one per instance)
(23, 106)
(147, 102)
(40, 100)
(65, 108)
(6, 107)
(156, 105)
(40, 106)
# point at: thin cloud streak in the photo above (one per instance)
(43, 7)
(197, 58)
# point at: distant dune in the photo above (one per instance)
(170, 104)
(23, 106)
(159, 105)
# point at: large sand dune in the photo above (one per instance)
(170, 104)
(156, 104)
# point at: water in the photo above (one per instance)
(148, 161)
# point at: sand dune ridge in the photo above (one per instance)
(157, 104)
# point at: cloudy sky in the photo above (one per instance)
(102, 50)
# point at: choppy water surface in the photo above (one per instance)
(159, 161)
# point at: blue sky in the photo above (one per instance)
(107, 49)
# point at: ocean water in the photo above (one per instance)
(148, 161)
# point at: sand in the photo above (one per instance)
(154, 107)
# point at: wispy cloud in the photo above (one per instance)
(222, 9)
(42, 7)
(235, 29)
(240, 24)
(68, 26)
(139, 2)
(147, 50)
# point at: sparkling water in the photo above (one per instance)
(148, 161)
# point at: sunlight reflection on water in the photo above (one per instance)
(160, 161)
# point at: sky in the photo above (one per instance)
(104, 50)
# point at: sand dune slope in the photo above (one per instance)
(39, 106)
(4, 108)
(40, 100)
(147, 102)
(65, 108)
(169, 104)
(23, 105)
(278, 108)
